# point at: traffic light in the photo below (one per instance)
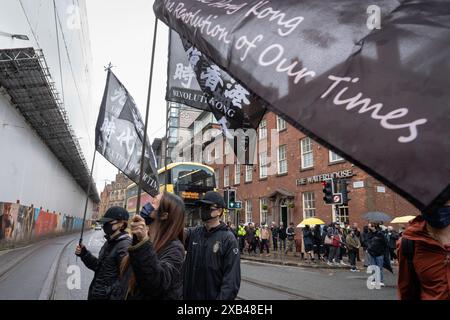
(225, 196)
(344, 190)
(328, 190)
(231, 199)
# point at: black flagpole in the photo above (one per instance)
(87, 198)
(141, 173)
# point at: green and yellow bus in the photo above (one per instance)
(189, 180)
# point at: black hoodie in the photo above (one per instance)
(212, 269)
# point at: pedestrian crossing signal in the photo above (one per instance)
(230, 199)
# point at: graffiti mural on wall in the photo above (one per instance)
(18, 222)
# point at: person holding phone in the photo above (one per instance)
(153, 268)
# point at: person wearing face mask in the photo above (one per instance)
(424, 257)
(107, 265)
(212, 269)
(153, 268)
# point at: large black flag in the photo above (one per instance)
(195, 81)
(366, 78)
(182, 85)
(119, 134)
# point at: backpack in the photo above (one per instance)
(407, 246)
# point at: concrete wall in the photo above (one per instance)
(29, 172)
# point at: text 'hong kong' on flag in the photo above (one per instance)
(119, 134)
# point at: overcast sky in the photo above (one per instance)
(121, 32)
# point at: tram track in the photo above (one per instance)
(276, 288)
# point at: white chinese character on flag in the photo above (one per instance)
(129, 139)
(184, 73)
(213, 77)
(237, 93)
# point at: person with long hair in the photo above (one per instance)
(153, 268)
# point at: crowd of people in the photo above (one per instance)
(326, 243)
(421, 251)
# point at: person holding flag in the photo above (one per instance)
(106, 266)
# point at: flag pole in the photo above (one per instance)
(141, 173)
(87, 197)
(166, 146)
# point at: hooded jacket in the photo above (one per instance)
(212, 269)
(376, 243)
(106, 266)
(431, 266)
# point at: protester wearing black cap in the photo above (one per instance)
(107, 265)
(212, 266)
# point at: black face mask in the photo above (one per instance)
(439, 219)
(206, 213)
(108, 229)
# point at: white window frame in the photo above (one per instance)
(307, 152)
(237, 173)
(339, 213)
(281, 124)
(263, 165)
(217, 175)
(309, 204)
(248, 173)
(248, 211)
(227, 147)
(226, 176)
(334, 157)
(263, 214)
(282, 170)
(262, 130)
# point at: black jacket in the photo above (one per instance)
(158, 275)
(282, 233)
(106, 266)
(392, 237)
(364, 239)
(275, 231)
(212, 269)
(376, 244)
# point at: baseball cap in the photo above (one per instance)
(211, 197)
(115, 213)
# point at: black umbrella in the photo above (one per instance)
(379, 98)
(377, 216)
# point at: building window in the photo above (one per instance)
(226, 177)
(307, 153)
(263, 129)
(263, 165)
(282, 161)
(217, 175)
(342, 215)
(263, 205)
(281, 123)
(309, 205)
(248, 211)
(237, 173)
(248, 173)
(334, 157)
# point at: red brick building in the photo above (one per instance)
(294, 191)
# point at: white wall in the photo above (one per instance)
(29, 171)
